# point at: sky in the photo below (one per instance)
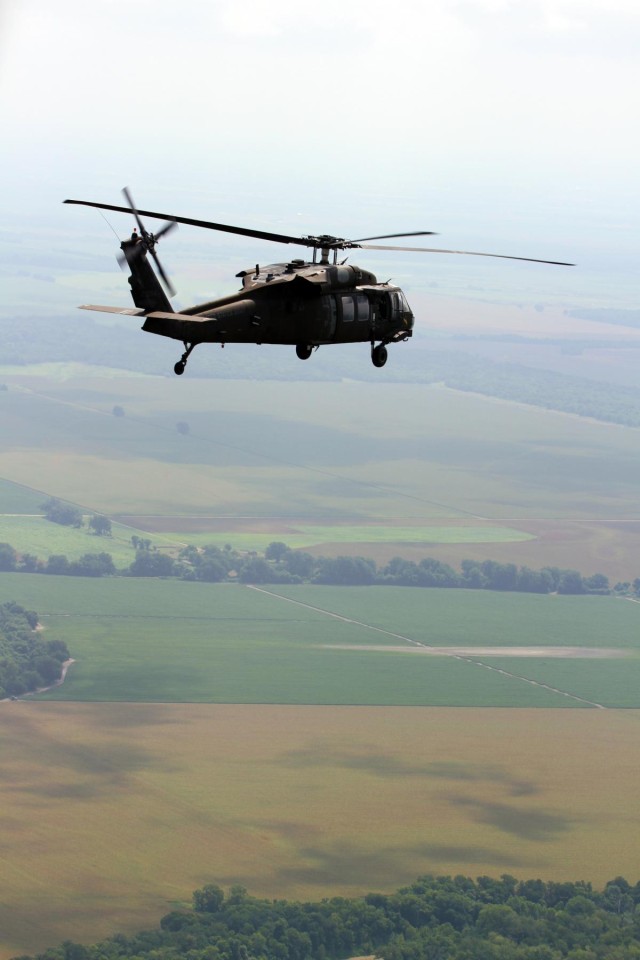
(506, 126)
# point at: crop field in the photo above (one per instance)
(114, 813)
(137, 640)
(337, 451)
(258, 534)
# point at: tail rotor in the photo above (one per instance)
(148, 240)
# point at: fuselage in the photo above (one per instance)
(296, 303)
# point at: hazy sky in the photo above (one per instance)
(490, 121)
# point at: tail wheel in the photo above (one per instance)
(379, 355)
(304, 351)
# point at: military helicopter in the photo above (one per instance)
(306, 304)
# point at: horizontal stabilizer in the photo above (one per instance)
(161, 315)
(127, 311)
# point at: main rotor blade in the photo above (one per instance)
(316, 242)
(466, 253)
(390, 236)
(207, 224)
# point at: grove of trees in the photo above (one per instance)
(64, 513)
(435, 918)
(27, 661)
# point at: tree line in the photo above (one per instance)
(280, 564)
(435, 918)
(27, 662)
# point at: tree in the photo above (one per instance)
(27, 661)
(597, 583)
(65, 514)
(277, 551)
(256, 570)
(93, 565)
(534, 581)
(211, 570)
(57, 564)
(473, 575)
(100, 525)
(152, 564)
(300, 564)
(554, 574)
(209, 899)
(139, 543)
(434, 573)
(29, 563)
(498, 918)
(500, 576)
(48, 669)
(570, 582)
(8, 557)
(351, 571)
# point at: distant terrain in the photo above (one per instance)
(567, 360)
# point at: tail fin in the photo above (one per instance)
(146, 289)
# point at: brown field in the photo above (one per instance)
(115, 813)
(611, 547)
(556, 653)
(216, 526)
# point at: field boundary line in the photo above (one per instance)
(426, 646)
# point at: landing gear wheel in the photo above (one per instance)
(303, 351)
(182, 362)
(379, 355)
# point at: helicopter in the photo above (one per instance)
(301, 303)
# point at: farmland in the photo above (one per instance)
(117, 812)
(331, 468)
(311, 740)
(335, 452)
(189, 642)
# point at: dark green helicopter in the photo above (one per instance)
(300, 303)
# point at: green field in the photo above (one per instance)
(15, 498)
(40, 537)
(364, 537)
(170, 641)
